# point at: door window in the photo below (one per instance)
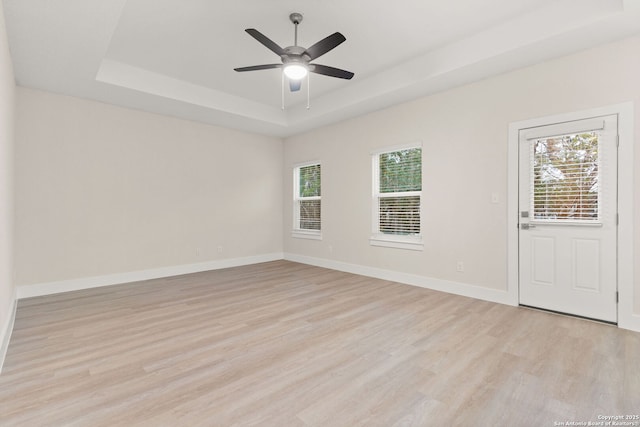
(565, 178)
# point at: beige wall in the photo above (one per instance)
(7, 93)
(103, 190)
(464, 132)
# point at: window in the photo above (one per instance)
(307, 201)
(565, 178)
(397, 193)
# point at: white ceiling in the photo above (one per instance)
(176, 57)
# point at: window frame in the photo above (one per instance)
(378, 238)
(297, 232)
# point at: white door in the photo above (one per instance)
(567, 224)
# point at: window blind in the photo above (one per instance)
(401, 171)
(399, 191)
(310, 185)
(309, 214)
(399, 215)
(307, 197)
(565, 178)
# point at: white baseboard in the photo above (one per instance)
(630, 321)
(7, 329)
(457, 288)
(40, 289)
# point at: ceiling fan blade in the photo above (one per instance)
(325, 70)
(294, 85)
(270, 44)
(259, 67)
(324, 45)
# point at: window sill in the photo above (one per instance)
(306, 234)
(410, 243)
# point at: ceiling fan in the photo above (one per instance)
(296, 59)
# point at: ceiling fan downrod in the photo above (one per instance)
(296, 18)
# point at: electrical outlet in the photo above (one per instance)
(495, 198)
(460, 266)
(219, 249)
(198, 252)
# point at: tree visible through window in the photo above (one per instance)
(398, 191)
(307, 197)
(565, 177)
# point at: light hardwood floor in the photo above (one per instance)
(286, 344)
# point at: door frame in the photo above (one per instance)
(625, 113)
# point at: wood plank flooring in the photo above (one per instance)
(286, 344)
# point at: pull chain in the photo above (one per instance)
(308, 90)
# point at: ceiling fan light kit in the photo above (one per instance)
(296, 59)
(295, 71)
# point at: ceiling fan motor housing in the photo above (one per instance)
(295, 54)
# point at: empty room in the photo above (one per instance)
(304, 213)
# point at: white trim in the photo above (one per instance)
(306, 234)
(7, 329)
(39, 289)
(456, 288)
(555, 129)
(296, 231)
(625, 111)
(308, 163)
(626, 317)
(566, 223)
(398, 147)
(413, 243)
(380, 239)
(512, 211)
(629, 321)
